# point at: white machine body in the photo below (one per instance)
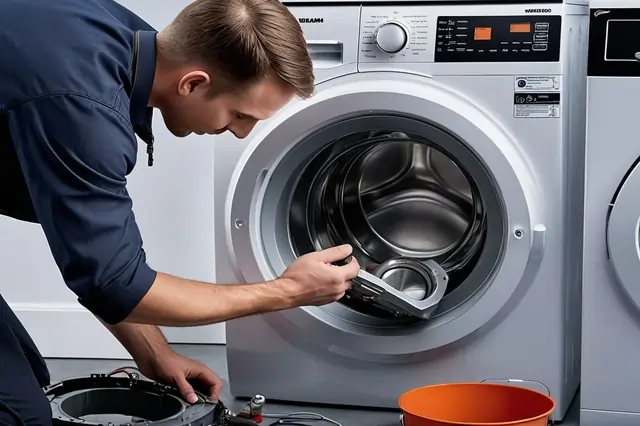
(611, 268)
(499, 90)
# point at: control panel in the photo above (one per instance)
(399, 34)
(424, 34)
(498, 39)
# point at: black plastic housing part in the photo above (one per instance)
(135, 401)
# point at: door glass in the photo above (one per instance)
(390, 195)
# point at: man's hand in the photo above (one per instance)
(313, 279)
(173, 369)
(157, 361)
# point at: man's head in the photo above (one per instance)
(225, 64)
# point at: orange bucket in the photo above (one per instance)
(475, 404)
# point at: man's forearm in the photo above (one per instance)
(140, 340)
(178, 302)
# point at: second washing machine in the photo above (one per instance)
(611, 283)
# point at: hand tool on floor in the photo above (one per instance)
(253, 409)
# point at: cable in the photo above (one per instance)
(296, 418)
(126, 370)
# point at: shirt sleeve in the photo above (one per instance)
(75, 154)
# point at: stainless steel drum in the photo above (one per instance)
(391, 195)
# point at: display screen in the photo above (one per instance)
(523, 27)
(622, 39)
(482, 33)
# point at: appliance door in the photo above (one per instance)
(423, 173)
(623, 231)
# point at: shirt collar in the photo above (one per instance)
(144, 69)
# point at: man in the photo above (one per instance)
(78, 81)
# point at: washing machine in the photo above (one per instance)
(611, 269)
(446, 144)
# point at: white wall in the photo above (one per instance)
(175, 196)
(173, 202)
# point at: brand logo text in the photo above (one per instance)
(311, 20)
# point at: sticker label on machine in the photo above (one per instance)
(536, 96)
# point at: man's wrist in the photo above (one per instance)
(141, 341)
(280, 289)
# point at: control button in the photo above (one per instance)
(540, 37)
(539, 47)
(542, 26)
(391, 37)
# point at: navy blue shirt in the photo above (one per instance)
(75, 80)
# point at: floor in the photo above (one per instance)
(215, 358)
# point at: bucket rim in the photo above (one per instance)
(477, 384)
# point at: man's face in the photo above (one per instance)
(193, 110)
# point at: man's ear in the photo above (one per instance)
(191, 81)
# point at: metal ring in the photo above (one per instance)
(407, 263)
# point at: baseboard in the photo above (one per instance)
(67, 330)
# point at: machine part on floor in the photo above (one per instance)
(102, 399)
(403, 286)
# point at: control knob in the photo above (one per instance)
(391, 37)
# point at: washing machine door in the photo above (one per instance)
(623, 231)
(399, 166)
